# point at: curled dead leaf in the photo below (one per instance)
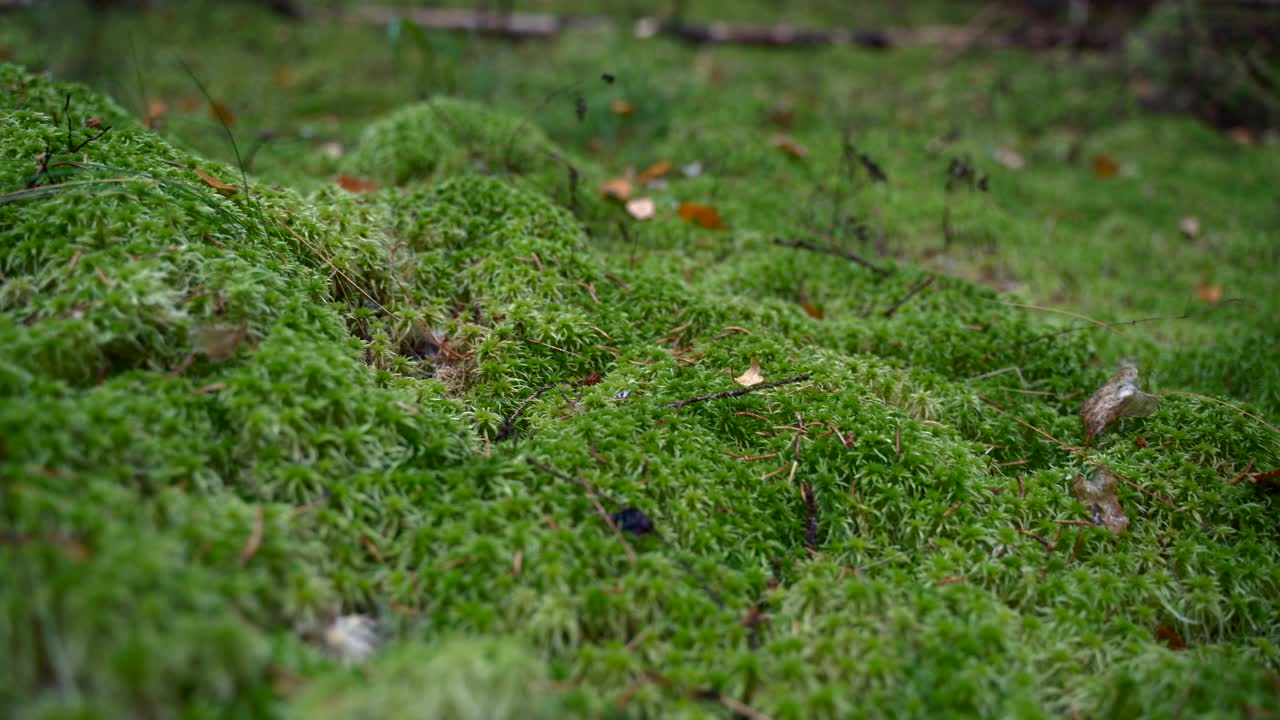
(752, 376)
(789, 145)
(641, 208)
(1009, 158)
(219, 342)
(223, 114)
(703, 215)
(654, 172)
(616, 189)
(1211, 294)
(622, 108)
(211, 181)
(357, 185)
(1098, 493)
(1190, 226)
(1105, 167)
(1119, 398)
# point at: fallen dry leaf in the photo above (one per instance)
(641, 208)
(221, 187)
(219, 342)
(616, 189)
(692, 170)
(352, 638)
(703, 215)
(752, 376)
(357, 185)
(1241, 136)
(622, 108)
(156, 110)
(332, 150)
(1105, 167)
(93, 123)
(1098, 493)
(812, 310)
(788, 145)
(654, 171)
(1190, 226)
(220, 112)
(1009, 158)
(1211, 294)
(284, 76)
(1119, 398)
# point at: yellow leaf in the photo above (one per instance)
(752, 376)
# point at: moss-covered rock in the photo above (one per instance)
(182, 514)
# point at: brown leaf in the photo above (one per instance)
(809, 308)
(1170, 637)
(1119, 398)
(616, 189)
(1211, 294)
(788, 145)
(156, 110)
(93, 123)
(641, 208)
(703, 215)
(255, 539)
(357, 185)
(220, 112)
(752, 376)
(216, 184)
(1098, 493)
(284, 76)
(622, 108)
(219, 342)
(1105, 167)
(654, 171)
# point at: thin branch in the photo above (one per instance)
(910, 294)
(735, 393)
(854, 257)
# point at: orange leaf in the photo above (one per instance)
(788, 145)
(654, 171)
(220, 112)
(703, 215)
(1104, 166)
(622, 108)
(812, 310)
(216, 184)
(1211, 294)
(156, 110)
(616, 189)
(357, 185)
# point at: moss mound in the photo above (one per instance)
(229, 417)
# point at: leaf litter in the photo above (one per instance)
(1119, 398)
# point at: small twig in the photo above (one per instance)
(1244, 474)
(1237, 408)
(811, 515)
(735, 393)
(508, 429)
(854, 257)
(255, 538)
(1047, 545)
(591, 491)
(910, 294)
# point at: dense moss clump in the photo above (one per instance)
(228, 417)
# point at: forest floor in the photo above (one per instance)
(354, 337)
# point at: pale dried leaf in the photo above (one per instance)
(641, 208)
(752, 376)
(1098, 493)
(1009, 158)
(1119, 398)
(1190, 226)
(219, 342)
(352, 638)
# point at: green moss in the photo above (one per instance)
(178, 531)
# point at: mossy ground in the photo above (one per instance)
(175, 541)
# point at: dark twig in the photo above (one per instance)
(910, 294)
(509, 422)
(735, 393)
(811, 515)
(803, 245)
